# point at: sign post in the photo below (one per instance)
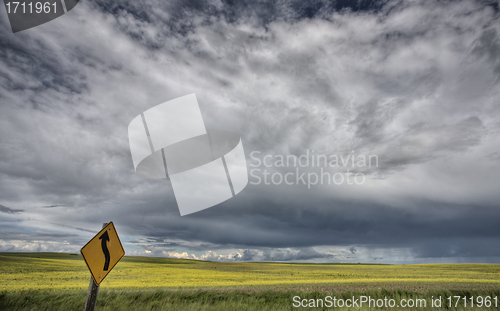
(93, 290)
(101, 254)
(91, 295)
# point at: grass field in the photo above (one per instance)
(54, 281)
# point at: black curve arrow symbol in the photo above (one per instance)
(105, 237)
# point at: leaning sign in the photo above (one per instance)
(103, 252)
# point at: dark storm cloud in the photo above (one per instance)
(345, 223)
(414, 83)
(31, 67)
(71, 227)
(422, 142)
(5, 209)
(265, 254)
(51, 206)
(301, 254)
(465, 247)
(12, 235)
(177, 14)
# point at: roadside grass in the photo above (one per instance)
(55, 281)
(264, 299)
(49, 271)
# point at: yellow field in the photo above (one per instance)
(42, 271)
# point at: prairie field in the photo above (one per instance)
(57, 281)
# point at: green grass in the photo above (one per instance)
(265, 299)
(49, 271)
(55, 281)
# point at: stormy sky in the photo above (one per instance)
(414, 83)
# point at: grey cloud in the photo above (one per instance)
(488, 45)
(248, 255)
(449, 247)
(423, 142)
(70, 227)
(34, 69)
(8, 210)
(267, 254)
(307, 253)
(38, 236)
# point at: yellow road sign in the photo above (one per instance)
(103, 252)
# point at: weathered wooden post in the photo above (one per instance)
(101, 254)
(93, 290)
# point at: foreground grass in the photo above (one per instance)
(268, 299)
(54, 281)
(55, 271)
